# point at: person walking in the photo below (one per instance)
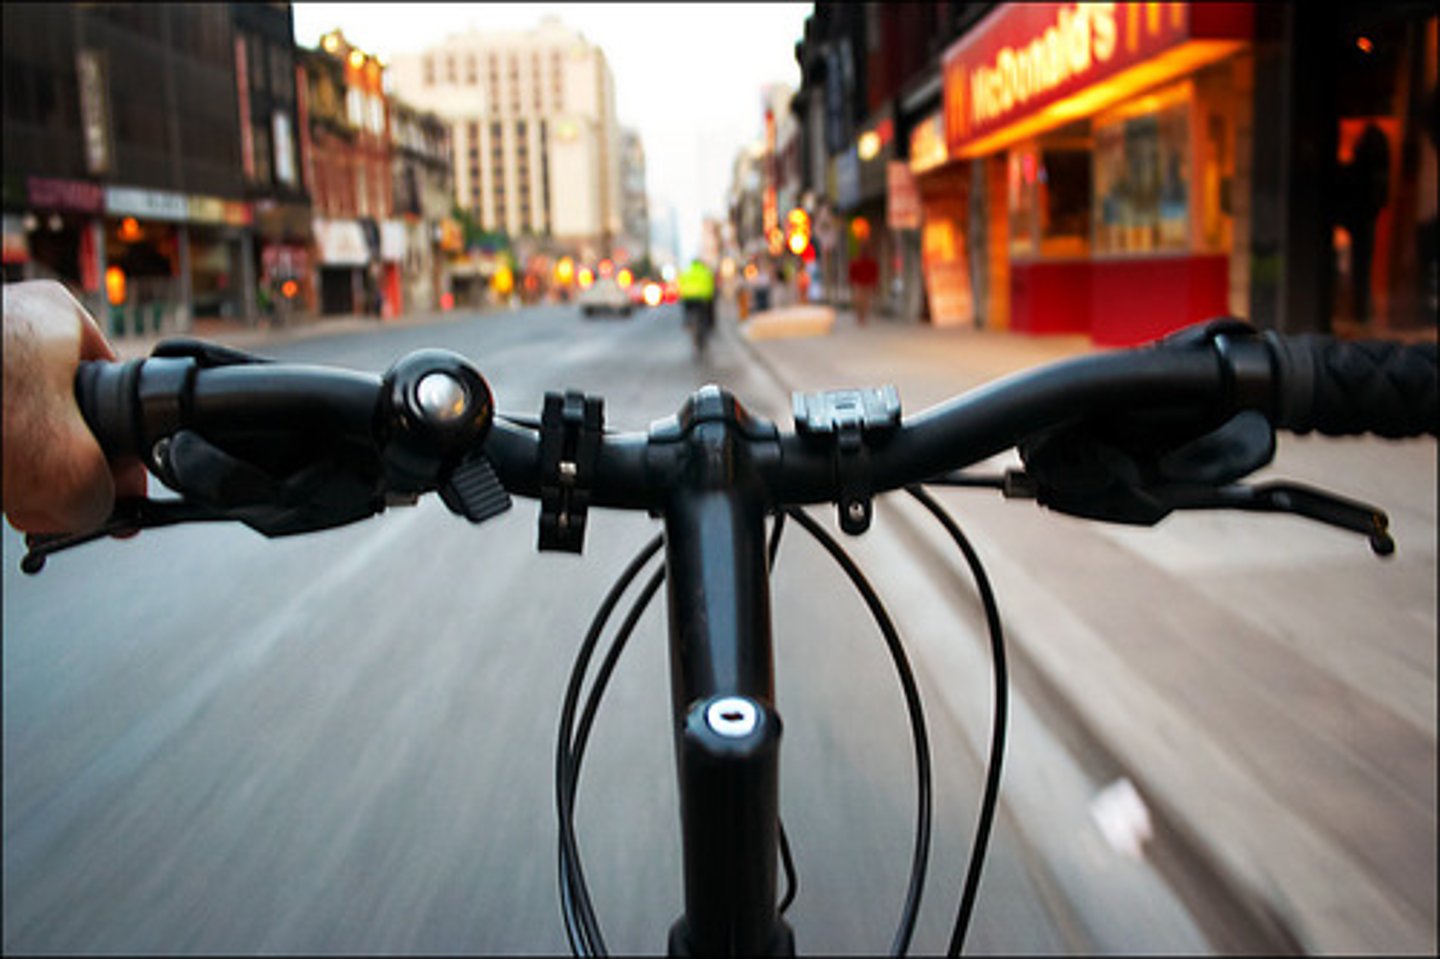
(864, 278)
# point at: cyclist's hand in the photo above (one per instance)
(56, 478)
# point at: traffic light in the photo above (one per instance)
(797, 228)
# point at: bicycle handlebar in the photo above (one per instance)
(1343, 388)
(1204, 374)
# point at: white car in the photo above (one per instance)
(604, 296)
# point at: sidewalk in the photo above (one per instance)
(1267, 685)
(254, 333)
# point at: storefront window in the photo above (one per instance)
(1020, 188)
(1049, 189)
(1142, 174)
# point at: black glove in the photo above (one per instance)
(328, 488)
(1127, 474)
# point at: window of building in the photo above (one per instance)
(429, 71)
(1142, 174)
(450, 68)
(258, 68)
(282, 74)
(545, 173)
(355, 107)
(1049, 182)
(260, 135)
(472, 72)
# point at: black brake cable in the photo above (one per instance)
(580, 924)
(914, 708)
(787, 860)
(1001, 706)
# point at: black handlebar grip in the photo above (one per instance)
(1343, 388)
(107, 394)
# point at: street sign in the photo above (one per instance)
(902, 210)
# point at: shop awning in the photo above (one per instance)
(341, 243)
(282, 221)
(1031, 67)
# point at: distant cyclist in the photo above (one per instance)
(697, 293)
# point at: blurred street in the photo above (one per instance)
(344, 742)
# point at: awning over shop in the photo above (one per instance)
(282, 221)
(341, 243)
(1030, 67)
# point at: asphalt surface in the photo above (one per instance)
(343, 742)
(1266, 683)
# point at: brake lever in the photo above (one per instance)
(130, 515)
(1296, 498)
(1281, 497)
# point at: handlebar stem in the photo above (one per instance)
(721, 660)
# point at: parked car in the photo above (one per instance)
(604, 296)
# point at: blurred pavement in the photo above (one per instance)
(1266, 683)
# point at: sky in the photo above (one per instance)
(688, 76)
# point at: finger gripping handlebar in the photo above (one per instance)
(1342, 388)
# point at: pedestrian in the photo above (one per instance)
(56, 477)
(1365, 190)
(815, 290)
(864, 278)
(761, 286)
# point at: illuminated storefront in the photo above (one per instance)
(1092, 148)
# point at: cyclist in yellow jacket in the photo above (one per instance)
(697, 294)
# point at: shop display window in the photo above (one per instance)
(1049, 186)
(1142, 174)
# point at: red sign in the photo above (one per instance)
(902, 208)
(242, 83)
(78, 196)
(1023, 57)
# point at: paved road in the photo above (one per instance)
(343, 742)
(1268, 685)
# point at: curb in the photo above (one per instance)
(243, 335)
(1234, 919)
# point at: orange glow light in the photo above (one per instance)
(799, 243)
(860, 227)
(587, 278)
(653, 294)
(447, 301)
(606, 267)
(1365, 44)
(289, 288)
(624, 278)
(129, 229)
(115, 285)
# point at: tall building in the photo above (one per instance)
(535, 138)
(359, 244)
(664, 234)
(634, 206)
(423, 201)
